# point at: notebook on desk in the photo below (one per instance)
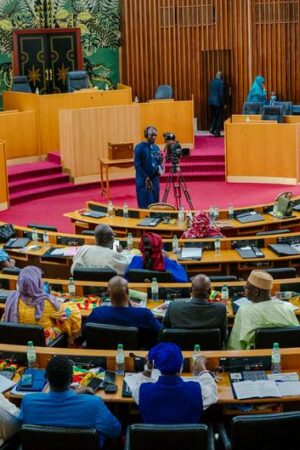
(15, 243)
(284, 249)
(150, 222)
(94, 214)
(248, 217)
(191, 253)
(249, 252)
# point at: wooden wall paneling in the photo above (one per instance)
(163, 41)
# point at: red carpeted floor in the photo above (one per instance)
(50, 210)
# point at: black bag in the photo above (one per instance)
(6, 232)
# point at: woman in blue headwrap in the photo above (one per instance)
(257, 92)
(167, 399)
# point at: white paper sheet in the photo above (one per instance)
(191, 252)
(5, 384)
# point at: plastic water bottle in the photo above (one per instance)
(46, 238)
(175, 244)
(106, 87)
(110, 209)
(71, 287)
(211, 214)
(180, 216)
(136, 99)
(230, 212)
(129, 241)
(195, 356)
(31, 355)
(154, 290)
(34, 235)
(276, 358)
(217, 247)
(216, 212)
(125, 211)
(225, 293)
(37, 91)
(275, 209)
(120, 360)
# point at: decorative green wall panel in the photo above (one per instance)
(99, 21)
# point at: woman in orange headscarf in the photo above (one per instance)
(153, 259)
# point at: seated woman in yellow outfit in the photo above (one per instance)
(31, 305)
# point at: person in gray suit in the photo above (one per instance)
(216, 103)
(197, 313)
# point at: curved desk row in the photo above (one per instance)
(290, 363)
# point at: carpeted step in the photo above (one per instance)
(54, 157)
(30, 170)
(44, 191)
(37, 182)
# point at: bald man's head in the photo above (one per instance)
(201, 287)
(118, 291)
(104, 235)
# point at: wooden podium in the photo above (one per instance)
(259, 151)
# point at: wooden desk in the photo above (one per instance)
(262, 152)
(106, 164)
(290, 362)
(45, 109)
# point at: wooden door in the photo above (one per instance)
(45, 56)
(211, 62)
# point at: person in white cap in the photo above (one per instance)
(263, 312)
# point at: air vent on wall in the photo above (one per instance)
(282, 11)
(200, 13)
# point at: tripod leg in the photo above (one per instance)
(185, 189)
(167, 188)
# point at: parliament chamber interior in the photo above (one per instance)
(150, 224)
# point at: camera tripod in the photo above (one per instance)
(176, 178)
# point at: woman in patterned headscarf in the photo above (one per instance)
(153, 259)
(29, 304)
(201, 228)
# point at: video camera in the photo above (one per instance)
(173, 148)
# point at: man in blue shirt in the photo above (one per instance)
(121, 313)
(148, 166)
(62, 407)
(216, 102)
(5, 260)
(165, 398)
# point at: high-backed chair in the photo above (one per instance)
(208, 339)
(287, 107)
(251, 108)
(142, 275)
(165, 437)
(163, 91)
(109, 336)
(20, 334)
(77, 80)
(282, 272)
(216, 278)
(285, 336)
(279, 431)
(42, 227)
(20, 84)
(93, 274)
(296, 110)
(35, 437)
(271, 112)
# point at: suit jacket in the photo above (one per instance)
(196, 314)
(216, 92)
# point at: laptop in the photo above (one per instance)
(248, 217)
(14, 243)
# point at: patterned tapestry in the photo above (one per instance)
(98, 20)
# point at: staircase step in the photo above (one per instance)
(36, 182)
(54, 157)
(18, 172)
(44, 191)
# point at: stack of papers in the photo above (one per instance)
(160, 311)
(65, 251)
(5, 384)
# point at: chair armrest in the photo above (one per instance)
(226, 444)
(210, 438)
(60, 342)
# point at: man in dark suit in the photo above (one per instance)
(216, 102)
(197, 313)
